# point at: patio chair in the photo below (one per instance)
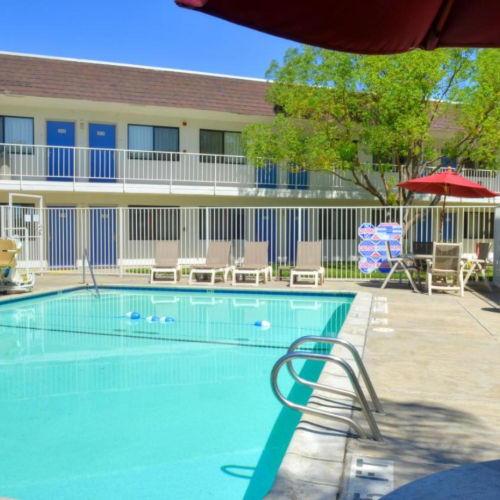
(10, 278)
(477, 265)
(308, 265)
(217, 262)
(255, 263)
(166, 262)
(401, 265)
(444, 271)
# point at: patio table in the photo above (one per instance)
(474, 265)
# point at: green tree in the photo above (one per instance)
(477, 113)
(331, 106)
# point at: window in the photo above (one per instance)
(153, 143)
(337, 224)
(218, 142)
(153, 223)
(17, 130)
(343, 223)
(448, 162)
(478, 225)
(225, 224)
(469, 164)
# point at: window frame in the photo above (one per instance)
(26, 149)
(487, 228)
(210, 157)
(151, 211)
(138, 154)
(337, 224)
(235, 220)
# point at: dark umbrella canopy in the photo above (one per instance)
(366, 26)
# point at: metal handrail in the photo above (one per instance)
(357, 359)
(86, 255)
(356, 394)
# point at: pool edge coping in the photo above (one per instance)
(313, 465)
(13, 298)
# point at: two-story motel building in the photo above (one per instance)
(85, 134)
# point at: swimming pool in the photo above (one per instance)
(98, 406)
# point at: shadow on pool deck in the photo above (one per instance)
(479, 481)
(465, 437)
(435, 365)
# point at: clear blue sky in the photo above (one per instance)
(147, 32)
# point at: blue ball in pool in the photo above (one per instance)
(167, 319)
(133, 315)
(265, 325)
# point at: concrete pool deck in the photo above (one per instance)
(435, 364)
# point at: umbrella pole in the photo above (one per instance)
(441, 226)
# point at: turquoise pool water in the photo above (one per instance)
(97, 406)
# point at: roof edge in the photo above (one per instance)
(136, 66)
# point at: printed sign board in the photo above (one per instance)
(367, 248)
(372, 247)
(367, 265)
(383, 266)
(366, 231)
(389, 231)
(396, 248)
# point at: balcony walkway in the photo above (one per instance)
(44, 168)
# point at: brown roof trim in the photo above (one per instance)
(94, 81)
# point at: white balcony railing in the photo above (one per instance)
(78, 165)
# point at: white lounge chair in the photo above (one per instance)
(308, 265)
(217, 262)
(10, 278)
(401, 265)
(254, 264)
(444, 271)
(166, 262)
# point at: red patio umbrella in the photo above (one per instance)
(366, 26)
(447, 183)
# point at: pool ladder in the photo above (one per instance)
(357, 393)
(91, 269)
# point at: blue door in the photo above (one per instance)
(61, 237)
(102, 158)
(296, 232)
(102, 236)
(267, 177)
(265, 229)
(61, 157)
(424, 229)
(298, 179)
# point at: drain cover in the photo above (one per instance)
(369, 478)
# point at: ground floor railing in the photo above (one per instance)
(122, 241)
